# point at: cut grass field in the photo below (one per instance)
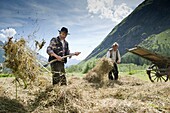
(6, 75)
(141, 74)
(129, 94)
(132, 93)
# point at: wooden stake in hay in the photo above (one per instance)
(21, 61)
(96, 75)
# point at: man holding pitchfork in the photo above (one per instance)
(58, 50)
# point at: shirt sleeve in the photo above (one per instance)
(108, 54)
(51, 46)
(119, 58)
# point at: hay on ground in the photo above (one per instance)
(60, 99)
(81, 96)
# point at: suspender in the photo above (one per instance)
(110, 54)
(116, 55)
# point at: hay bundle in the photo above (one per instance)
(96, 75)
(21, 61)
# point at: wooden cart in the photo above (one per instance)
(160, 69)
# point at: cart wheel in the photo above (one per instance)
(154, 74)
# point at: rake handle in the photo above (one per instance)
(57, 60)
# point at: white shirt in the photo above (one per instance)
(113, 55)
(63, 44)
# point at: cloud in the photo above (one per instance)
(10, 32)
(2, 35)
(121, 11)
(108, 10)
(101, 7)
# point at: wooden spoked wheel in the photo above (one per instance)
(157, 75)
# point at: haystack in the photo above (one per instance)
(102, 68)
(22, 61)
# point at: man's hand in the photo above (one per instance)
(59, 58)
(118, 62)
(77, 53)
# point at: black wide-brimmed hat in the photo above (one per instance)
(64, 29)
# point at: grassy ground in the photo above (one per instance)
(127, 95)
(132, 93)
(5, 75)
(79, 74)
(141, 74)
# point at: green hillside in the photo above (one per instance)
(150, 17)
(159, 43)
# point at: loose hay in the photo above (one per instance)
(21, 61)
(8, 105)
(97, 74)
(60, 99)
(2, 91)
(80, 97)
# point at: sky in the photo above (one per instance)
(88, 21)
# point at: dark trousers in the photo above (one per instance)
(58, 72)
(114, 71)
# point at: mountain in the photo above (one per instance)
(149, 18)
(41, 58)
(159, 44)
(72, 62)
(1, 52)
(1, 43)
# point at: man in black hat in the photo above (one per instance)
(58, 48)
